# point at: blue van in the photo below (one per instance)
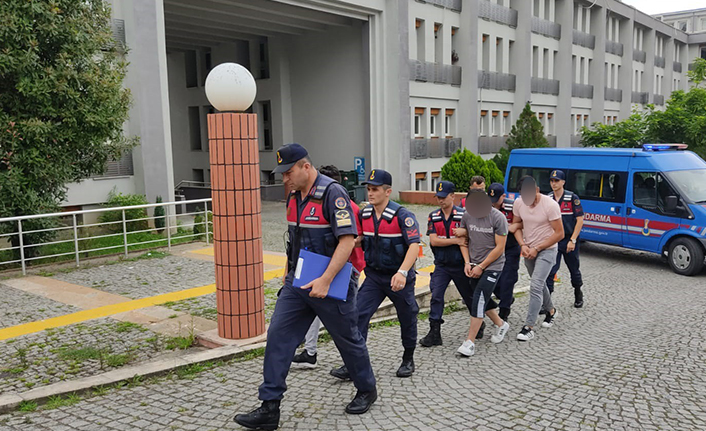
(651, 199)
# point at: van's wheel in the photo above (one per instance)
(686, 256)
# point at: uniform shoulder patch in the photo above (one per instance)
(409, 222)
(341, 203)
(577, 201)
(343, 218)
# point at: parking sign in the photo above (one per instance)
(360, 168)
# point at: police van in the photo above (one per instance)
(651, 198)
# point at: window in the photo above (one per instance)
(495, 124)
(421, 181)
(681, 25)
(264, 60)
(432, 126)
(190, 69)
(206, 64)
(703, 23)
(650, 191)
(417, 125)
(435, 179)
(194, 128)
(485, 53)
(541, 175)
(266, 120)
(421, 42)
(598, 186)
(483, 129)
(197, 175)
(507, 121)
(499, 55)
(449, 123)
(439, 44)
(703, 52)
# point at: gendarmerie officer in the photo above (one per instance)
(448, 260)
(320, 220)
(391, 245)
(509, 275)
(572, 218)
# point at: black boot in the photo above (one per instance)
(578, 297)
(407, 367)
(433, 338)
(341, 373)
(504, 313)
(265, 417)
(362, 402)
(479, 335)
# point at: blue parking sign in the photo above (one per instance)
(360, 168)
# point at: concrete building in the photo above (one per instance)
(400, 83)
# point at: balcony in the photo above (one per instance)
(576, 141)
(640, 56)
(454, 5)
(433, 148)
(551, 140)
(423, 71)
(584, 39)
(613, 94)
(545, 86)
(496, 81)
(659, 99)
(491, 144)
(495, 12)
(660, 62)
(583, 91)
(546, 28)
(676, 66)
(614, 47)
(640, 97)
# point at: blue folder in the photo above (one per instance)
(311, 266)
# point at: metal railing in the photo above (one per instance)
(640, 56)
(676, 66)
(495, 12)
(546, 28)
(434, 148)
(613, 94)
(496, 81)
(545, 86)
(583, 39)
(60, 237)
(491, 144)
(614, 47)
(454, 5)
(660, 62)
(584, 91)
(640, 97)
(434, 72)
(658, 99)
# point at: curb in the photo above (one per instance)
(10, 401)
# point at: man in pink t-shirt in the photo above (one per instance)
(538, 230)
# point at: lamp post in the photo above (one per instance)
(235, 189)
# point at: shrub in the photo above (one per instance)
(137, 215)
(464, 165)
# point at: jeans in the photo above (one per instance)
(540, 298)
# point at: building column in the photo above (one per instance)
(468, 46)
(648, 83)
(149, 117)
(668, 68)
(598, 80)
(523, 52)
(625, 76)
(564, 68)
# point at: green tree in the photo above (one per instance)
(527, 132)
(62, 102)
(697, 74)
(629, 133)
(464, 165)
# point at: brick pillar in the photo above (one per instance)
(237, 224)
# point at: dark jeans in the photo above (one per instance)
(572, 262)
(508, 277)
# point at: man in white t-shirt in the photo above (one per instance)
(538, 230)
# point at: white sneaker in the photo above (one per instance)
(549, 319)
(500, 333)
(467, 348)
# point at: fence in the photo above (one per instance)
(583, 39)
(495, 12)
(67, 237)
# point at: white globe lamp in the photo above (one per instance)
(230, 87)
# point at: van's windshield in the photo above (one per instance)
(691, 183)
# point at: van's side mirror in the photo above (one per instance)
(671, 203)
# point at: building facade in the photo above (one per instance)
(400, 84)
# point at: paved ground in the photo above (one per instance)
(633, 358)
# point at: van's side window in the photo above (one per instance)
(598, 186)
(541, 175)
(650, 191)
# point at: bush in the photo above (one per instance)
(159, 219)
(117, 199)
(199, 227)
(464, 165)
